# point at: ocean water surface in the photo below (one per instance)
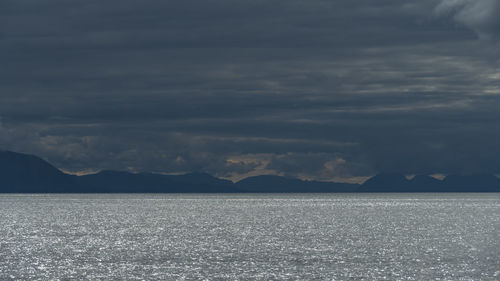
(250, 237)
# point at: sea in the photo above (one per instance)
(402, 236)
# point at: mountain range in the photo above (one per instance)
(22, 173)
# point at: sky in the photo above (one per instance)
(315, 89)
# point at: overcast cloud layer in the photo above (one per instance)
(328, 90)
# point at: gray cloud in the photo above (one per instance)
(316, 89)
(482, 16)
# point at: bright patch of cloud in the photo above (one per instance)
(482, 16)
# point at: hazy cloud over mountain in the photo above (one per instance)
(316, 89)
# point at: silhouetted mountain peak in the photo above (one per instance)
(25, 172)
(389, 181)
(30, 174)
(18, 164)
(268, 179)
(480, 182)
(424, 180)
(273, 183)
(202, 178)
(15, 163)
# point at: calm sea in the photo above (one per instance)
(242, 237)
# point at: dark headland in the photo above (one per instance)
(22, 173)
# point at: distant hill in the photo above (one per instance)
(27, 173)
(385, 183)
(124, 182)
(22, 173)
(424, 183)
(274, 184)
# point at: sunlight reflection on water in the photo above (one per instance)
(259, 236)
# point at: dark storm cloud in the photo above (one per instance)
(316, 89)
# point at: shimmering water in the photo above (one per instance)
(307, 237)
